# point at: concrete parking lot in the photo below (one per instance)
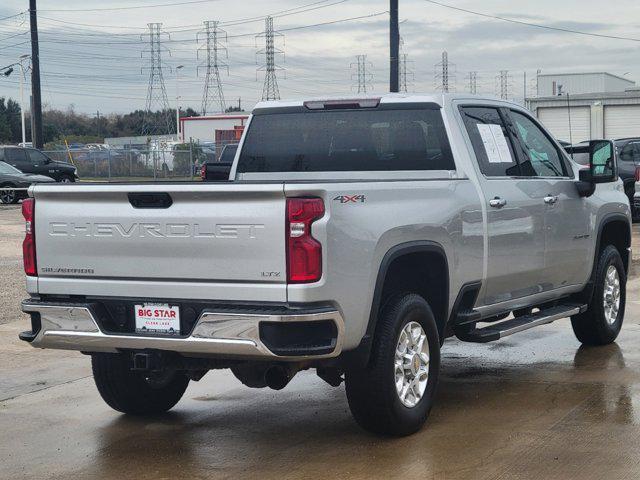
(535, 405)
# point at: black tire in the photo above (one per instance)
(66, 179)
(371, 391)
(133, 392)
(8, 197)
(592, 326)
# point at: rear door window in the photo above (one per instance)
(15, 156)
(630, 153)
(491, 142)
(36, 157)
(346, 140)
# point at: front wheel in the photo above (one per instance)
(394, 394)
(8, 195)
(135, 392)
(66, 179)
(601, 323)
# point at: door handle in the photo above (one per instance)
(497, 202)
(550, 199)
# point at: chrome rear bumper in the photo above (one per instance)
(223, 334)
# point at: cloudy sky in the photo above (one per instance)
(92, 51)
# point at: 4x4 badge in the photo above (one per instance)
(350, 198)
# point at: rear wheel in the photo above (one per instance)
(602, 321)
(134, 392)
(8, 195)
(394, 394)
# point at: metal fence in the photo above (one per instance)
(179, 162)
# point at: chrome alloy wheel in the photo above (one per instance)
(411, 364)
(611, 297)
(7, 196)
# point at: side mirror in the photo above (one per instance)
(602, 161)
(599, 158)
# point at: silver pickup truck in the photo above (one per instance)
(353, 237)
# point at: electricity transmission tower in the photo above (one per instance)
(214, 42)
(445, 78)
(362, 77)
(502, 84)
(270, 89)
(405, 75)
(473, 83)
(157, 99)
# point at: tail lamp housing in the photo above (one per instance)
(637, 176)
(203, 171)
(29, 243)
(304, 253)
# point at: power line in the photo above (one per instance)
(193, 27)
(530, 24)
(213, 94)
(270, 89)
(105, 9)
(13, 16)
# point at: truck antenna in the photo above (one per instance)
(569, 114)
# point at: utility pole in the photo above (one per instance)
(394, 47)
(156, 93)
(212, 94)
(270, 89)
(361, 76)
(36, 105)
(178, 68)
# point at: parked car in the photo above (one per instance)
(11, 179)
(354, 237)
(628, 161)
(216, 170)
(629, 167)
(30, 160)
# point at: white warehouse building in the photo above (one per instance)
(587, 106)
(203, 129)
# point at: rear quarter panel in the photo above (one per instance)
(357, 235)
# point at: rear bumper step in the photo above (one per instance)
(496, 331)
(317, 333)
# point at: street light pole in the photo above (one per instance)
(22, 116)
(178, 68)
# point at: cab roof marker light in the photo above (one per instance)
(343, 103)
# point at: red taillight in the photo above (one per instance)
(304, 253)
(203, 171)
(29, 243)
(637, 174)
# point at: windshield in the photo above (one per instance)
(346, 140)
(229, 153)
(8, 169)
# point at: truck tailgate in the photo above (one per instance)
(210, 233)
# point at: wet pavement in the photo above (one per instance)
(534, 405)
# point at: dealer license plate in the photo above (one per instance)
(157, 318)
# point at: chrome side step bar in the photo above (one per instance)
(496, 331)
